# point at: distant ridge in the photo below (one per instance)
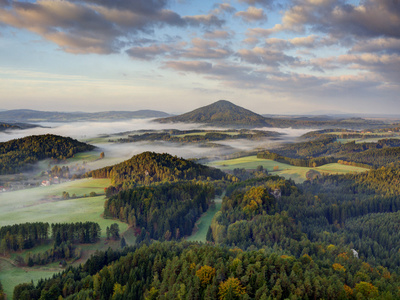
(221, 112)
(28, 115)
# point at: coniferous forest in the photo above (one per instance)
(333, 237)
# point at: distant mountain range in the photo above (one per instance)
(27, 115)
(225, 113)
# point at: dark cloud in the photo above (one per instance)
(209, 20)
(385, 45)
(4, 3)
(252, 14)
(372, 18)
(148, 53)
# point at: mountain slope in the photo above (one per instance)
(221, 112)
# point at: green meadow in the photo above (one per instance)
(204, 222)
(298, 174)
(44, 204)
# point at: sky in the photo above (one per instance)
(270, 56)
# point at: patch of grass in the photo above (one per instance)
(298, 174)
(43, 204)
(204, 222)
(10, 275)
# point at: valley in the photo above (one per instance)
(293, 196)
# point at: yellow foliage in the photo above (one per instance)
(231, 289)
(348, 290)
(205, 274)
(287, 257)
(366, 289)
(192, 266)
(118, 289)
(331, 247)
(339, 267)
(343, 255)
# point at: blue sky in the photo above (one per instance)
(175, 55)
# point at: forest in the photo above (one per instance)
(326, 149)
(162, 212)
(20, 154)
(151, 167)
(331, 237)
(196, 136)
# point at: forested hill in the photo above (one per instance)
(219, 113)
(149, 167)
(5, 126)
(18, 155)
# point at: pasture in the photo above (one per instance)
(44, 204)
(298, 174)
(204, 222)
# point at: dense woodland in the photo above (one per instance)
(151, 167)
(196, 136)
(162, 212)
(19, 155)
(173, 270)
(326, 149)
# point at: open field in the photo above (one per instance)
(298, 174)
(10, 275)
(44, 204)
(204, 222)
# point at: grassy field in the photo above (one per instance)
(298, 174)
(10, 276)
(204, 222)
(44, 204)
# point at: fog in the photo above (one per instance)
(122, 151)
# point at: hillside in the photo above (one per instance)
(221, 112)
(24, 115)
(149, 167)
(17, 155)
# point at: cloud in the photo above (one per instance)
(252, 14)
(266, 3)
(259, 32)
(218, 35)
(96, 26)
(209, 20)
(265, 56)
(308, 41)
(385, 45)
(223, 8)
(189, 66)
(148, 53)
(371, 18)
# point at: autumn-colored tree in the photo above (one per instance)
(205, 274)
(231, 289)
(338, 267)
(366, 289)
